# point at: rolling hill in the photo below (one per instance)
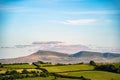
(57, 57)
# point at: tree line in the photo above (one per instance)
(106, 67)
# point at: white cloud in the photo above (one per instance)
(53, 46)
(48, 42)
(80, 21)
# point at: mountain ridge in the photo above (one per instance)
(58, 57)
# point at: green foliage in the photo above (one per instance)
(44, 74)
(1, 65)
(92, 63)
(11, 72)
(108, 67)
(24, 71)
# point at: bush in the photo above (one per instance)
(24, 71)
(1, 66)
(43, 74)
(11, 72)
(108, 67)
(92, 63)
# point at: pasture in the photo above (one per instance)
(69, 68)
(47, 78)
(19, 66)
(77, 70)
(95, 75)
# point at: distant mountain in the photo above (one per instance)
(110, 55)
(49, 56)
(95, 54)
(50, 53)
(57, 57)
(87, 54)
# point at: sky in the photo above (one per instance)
(86, 22)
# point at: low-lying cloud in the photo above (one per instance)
(47, 42)
(22, 50)
(80, 21)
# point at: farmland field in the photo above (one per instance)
(77, 70)
(47, 78)
(69, 68)
(19, 66)
(20, 70)
(96, 75)
(37, 78)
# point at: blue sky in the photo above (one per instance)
(87, 22)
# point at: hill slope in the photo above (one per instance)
(57, 57)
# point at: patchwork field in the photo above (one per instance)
(77, 70)
(96, 75)
(47, 78)
(19, 66)
(69, 68)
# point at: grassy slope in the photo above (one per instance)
(96, 75)
(37, 78)
(20, 66)
(47, 78)
(69, 68)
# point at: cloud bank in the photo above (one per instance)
(80, 21)
(22, 50)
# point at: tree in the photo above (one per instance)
(24, 71)
(1, 66)
(7, 72)
(92, 63)
(118, 70)
(13, 72)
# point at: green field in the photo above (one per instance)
(47, 78)
(95, 75)
(77, 70)
(84, 70)
(19, 70)
(37, 78)
(69, 68)
(20, 66)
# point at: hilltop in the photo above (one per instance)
(58, 57)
